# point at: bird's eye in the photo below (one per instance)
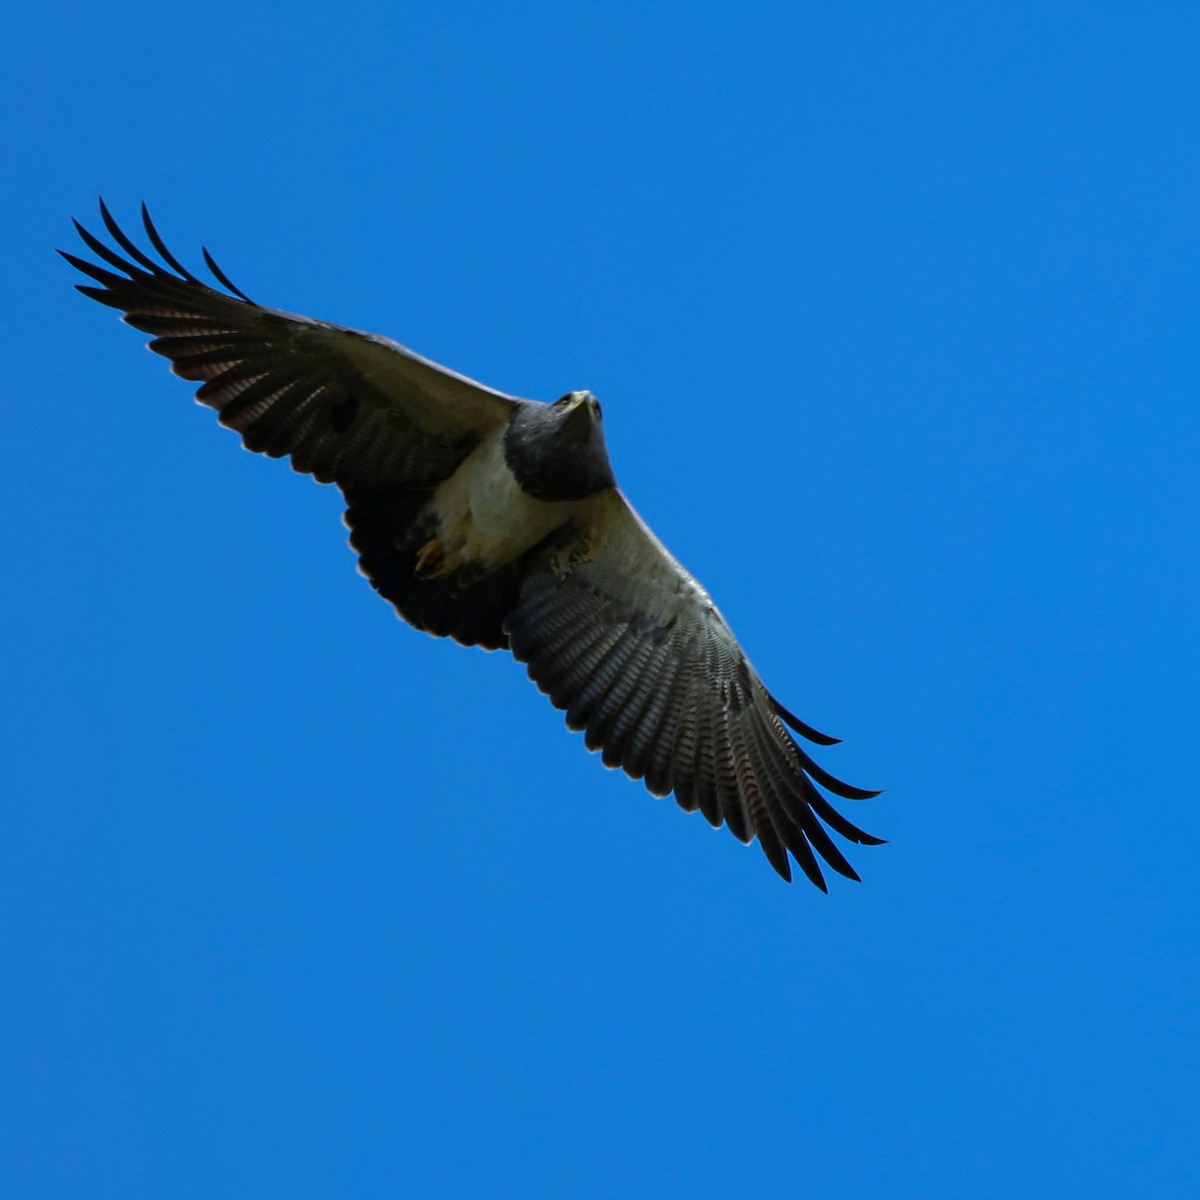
(564, 399)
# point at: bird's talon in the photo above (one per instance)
(431, 560)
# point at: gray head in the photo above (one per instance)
(556, 451)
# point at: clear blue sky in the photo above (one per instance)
(893, 310)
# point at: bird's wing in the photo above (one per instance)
(347, 407)
(619, 635)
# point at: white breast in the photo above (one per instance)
(485, 520)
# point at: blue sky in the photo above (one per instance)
(893, 313)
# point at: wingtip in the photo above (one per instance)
(78, 263)
(814, 876)
(221, 277)
(832, 783)
(802, 853)
(805, 730)
(864, 793)
(160, 247)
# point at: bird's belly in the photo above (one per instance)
(484, 518)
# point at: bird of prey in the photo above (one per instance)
(497, 521)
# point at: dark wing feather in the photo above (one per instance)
(347, 407)
(619, 635)
(386, 532)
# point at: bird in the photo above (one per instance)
(497, 521)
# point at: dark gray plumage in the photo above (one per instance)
(497, 521)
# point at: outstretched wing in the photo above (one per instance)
(347, 407)
(619, 635)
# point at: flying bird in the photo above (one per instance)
(496, 521)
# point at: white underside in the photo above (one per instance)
(484, 518)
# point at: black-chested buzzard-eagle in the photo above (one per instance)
(496, 521)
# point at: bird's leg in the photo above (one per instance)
(431, 560)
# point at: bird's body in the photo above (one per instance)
(497, 521)
(500, 501)
(484, 519)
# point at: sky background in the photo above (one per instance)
(893, 310)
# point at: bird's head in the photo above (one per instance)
(557, 451)
(579, 418)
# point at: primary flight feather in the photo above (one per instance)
(497, 522)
